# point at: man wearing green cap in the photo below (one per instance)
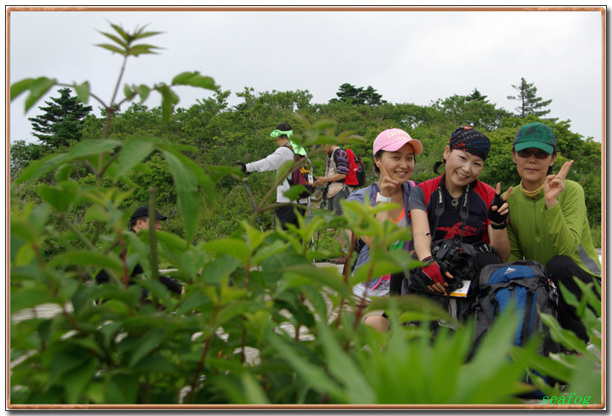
(548, 221)
(286, 212)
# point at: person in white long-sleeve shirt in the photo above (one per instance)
(285, 213)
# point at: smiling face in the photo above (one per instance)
(462, 168)
(399, 164)
(532, 165)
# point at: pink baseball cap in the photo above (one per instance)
(392, 140)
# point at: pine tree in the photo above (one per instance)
(476, 96)
(358, 96)
(62, 120)
(530, 102)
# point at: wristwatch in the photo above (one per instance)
(382, 198)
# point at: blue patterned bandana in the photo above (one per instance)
(471, 141)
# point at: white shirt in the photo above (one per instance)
(274, 162)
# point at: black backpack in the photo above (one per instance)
(302, 175)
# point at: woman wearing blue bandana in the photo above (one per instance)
(286, 213)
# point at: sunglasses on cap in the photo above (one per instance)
(526, 154)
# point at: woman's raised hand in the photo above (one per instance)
(386, 184)
(555, 184)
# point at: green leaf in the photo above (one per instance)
(294, 192)
(568, 338)
(345, 369)
(115, 39)
(134, 151)
(237, 308)
(172, 242)
(139, 34)
(38, 88)
(41, 167)
(169, 98)
(20, 86)
(24, 230)
(411, 307)
(253, 392)
(326, 275)
(143, 91)
(92, 147)
(323, 125)
(63, 173)
(64, 359)
(315, 377)
(77, 380)
(86, 258)
(121, 389)
(195, 80)
(556, 369)
(60, 197)
(146, 344)
(316, 300)
(124, 35)
(28, 298)
(230, 246)
(155, 363)
(192, 302)
(138, 50)
(82, 91)
(112, 48)
(222, 267)
(187, 190)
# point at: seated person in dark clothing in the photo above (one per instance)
(140, 221)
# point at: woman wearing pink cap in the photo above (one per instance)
(457, 207)
(394, 156)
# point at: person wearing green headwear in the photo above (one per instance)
(548, 219)
(286, 212)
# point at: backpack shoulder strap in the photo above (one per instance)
(295, 155)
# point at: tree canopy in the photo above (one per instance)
(224, 134)
(530, 103)
(62, 120)
(358, 96)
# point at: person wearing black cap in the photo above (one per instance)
(456, 205)
(140, 221)
(548, 221)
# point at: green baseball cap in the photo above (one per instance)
(537, 135)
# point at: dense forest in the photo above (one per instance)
(224, 134)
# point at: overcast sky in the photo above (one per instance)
(407, 56)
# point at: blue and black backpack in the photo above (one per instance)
(528, 284)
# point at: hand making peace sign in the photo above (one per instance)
(499, 209)
(555, 184)
(386, 184)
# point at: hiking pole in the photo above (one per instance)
(248, 191)
(322, 205)
(312, 242)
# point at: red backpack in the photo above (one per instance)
(356, 175)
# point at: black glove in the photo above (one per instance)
(173, 285)
(242, 165)
(495, 216)
(483, 248)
